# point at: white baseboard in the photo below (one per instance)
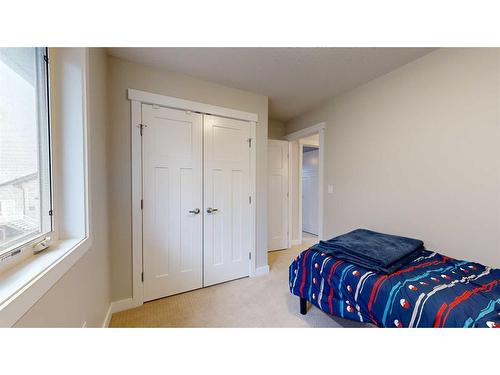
(261, 271)
(117, 306)
(296, 242)
(107, 318)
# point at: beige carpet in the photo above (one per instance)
(306, 236)
(250, 302)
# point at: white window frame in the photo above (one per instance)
(25, 283)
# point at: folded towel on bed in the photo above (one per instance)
(376, 251)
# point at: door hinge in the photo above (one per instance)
(51, 212)
(249, 255)
(249, 199)
(249, 142)
(142, 276)
(142, 204)
(141, 128)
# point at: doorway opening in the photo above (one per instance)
(306, 166)
(310, 189)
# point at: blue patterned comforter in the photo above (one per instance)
(431, 291)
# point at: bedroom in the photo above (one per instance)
(249, 187)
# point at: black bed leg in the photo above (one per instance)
(303, 306)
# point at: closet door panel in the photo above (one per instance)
(227, 206)
(172, 187)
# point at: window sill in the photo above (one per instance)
(23, 285)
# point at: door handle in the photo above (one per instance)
(211, 210)
(196, 211)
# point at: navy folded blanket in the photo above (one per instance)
(380, 252)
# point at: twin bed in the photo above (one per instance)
(431, 290)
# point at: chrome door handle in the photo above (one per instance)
(196, 211)
(211, 210)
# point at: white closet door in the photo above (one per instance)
(227, 207)
(277, 197)
(172, 191)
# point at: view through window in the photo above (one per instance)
(25, 198)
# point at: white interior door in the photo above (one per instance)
(277, 197)
(227, 206)
(172, 206)
(310, 187)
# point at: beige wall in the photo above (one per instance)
(312, 140)
(124, 75)
(82, 295)
(276, 130)
(416, 152)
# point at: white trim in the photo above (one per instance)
(137, 267)
(107, 317)
(296, 242)
(253, 189)
(306, 132)
(261, 271)
(87, 199)
(122, 305)
(137, 98)
(169, 101)
(117, 306)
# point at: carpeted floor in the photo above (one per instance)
(306, 236)
(250, 302)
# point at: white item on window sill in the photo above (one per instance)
(42, 245)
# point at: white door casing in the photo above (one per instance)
(277, 179)
(172, 180)
(227, 210)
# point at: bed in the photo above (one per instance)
(433, 290)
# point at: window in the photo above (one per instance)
(25, 178)
(27, 170)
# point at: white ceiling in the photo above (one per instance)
(296, 80)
